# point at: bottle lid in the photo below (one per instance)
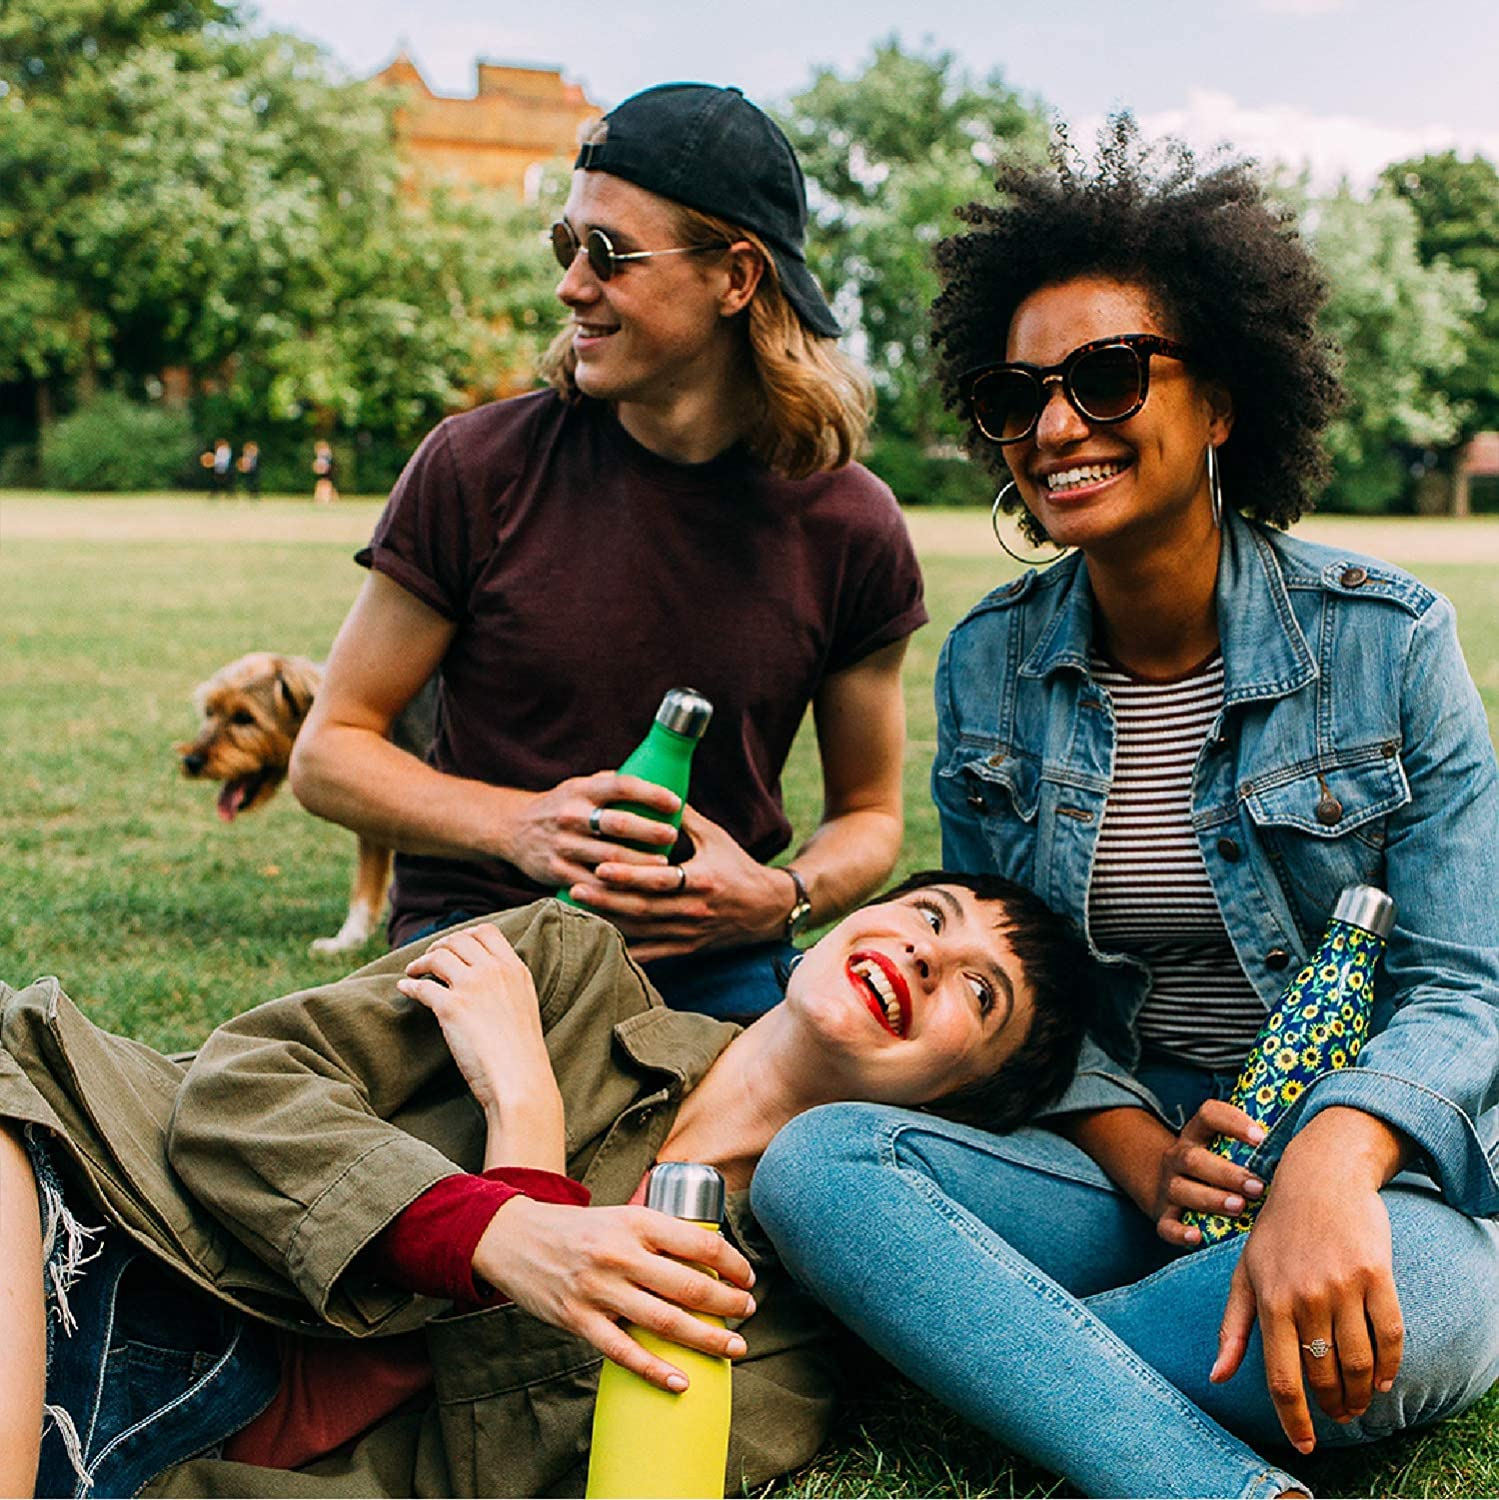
(687, 1190)
(1366, 906)
(684, 711)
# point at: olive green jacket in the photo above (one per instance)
(304, 1127)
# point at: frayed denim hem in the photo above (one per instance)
(143, 1369)
(68, 1245)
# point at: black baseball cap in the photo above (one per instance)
(711, 149)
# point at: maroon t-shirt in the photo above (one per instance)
(587, 575)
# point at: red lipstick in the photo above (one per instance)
(858, 967)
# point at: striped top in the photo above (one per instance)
(1150, 896)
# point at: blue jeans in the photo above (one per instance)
(1010, 1278)
(143, 1371)
(727, 982)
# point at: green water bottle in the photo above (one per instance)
(664, 756)
(1320, 1023)
(647, 1441)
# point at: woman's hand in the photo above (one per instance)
(717, 898)
(484, 999)
(552, 840)
(585, 1269)
(1193, 1176)
(1317, 1271)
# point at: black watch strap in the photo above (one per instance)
(800, 915)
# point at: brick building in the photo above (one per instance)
(518, 120)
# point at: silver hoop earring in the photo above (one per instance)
(1030, 562)
(1215, 487)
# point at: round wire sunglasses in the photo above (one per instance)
(603, 259)
(1106, 380)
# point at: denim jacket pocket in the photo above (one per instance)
(1327, 822)
(993, 779)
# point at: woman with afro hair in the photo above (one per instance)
(1189, 734)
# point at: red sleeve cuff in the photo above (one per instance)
(429, 1247)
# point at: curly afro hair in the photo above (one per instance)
(1226, 270)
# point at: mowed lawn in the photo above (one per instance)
(116, 876)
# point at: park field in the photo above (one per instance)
(160, 921)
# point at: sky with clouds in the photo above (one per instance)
(1343, 86)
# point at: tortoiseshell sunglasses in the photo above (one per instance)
(1106, 380)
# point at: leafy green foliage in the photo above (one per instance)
(182, 193)
(1403, 326)
(1456, 204)
(889, 154)
(113, 443)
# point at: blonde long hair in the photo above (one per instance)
(815, 403)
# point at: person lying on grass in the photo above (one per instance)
(377, 1237)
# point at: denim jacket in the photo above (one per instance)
(1352, 747)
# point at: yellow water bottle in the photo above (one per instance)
(647, 1441)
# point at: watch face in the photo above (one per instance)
(801, 909)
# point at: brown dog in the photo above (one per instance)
(252, 710)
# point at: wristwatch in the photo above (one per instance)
(800, 914)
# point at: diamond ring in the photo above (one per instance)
(1318, 1348)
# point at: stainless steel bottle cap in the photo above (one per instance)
(684, 711)
(687, 1190)
(1366, 906)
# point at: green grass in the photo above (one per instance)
(161, 922)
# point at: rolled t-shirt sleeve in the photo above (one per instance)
(421, 540)
(881, 598)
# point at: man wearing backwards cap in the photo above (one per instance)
(679, 508)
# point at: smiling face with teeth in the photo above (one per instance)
(916, 997)
(657, 327)
(1123, 486)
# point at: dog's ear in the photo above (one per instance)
(297, 683)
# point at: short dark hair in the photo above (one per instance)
(1226, 270)
(1058, 972)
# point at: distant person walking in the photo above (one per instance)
(324, 491)
(249, 468)
(218, 461)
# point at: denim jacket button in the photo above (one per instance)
(1329, 810)
(1353, 577)
(1229, 850)
(1277, 959)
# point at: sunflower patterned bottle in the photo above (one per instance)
(1320, 1024)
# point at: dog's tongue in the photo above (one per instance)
(232, 797)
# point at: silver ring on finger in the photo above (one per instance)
(595, 822)
(681, 880)
(1318, 1348)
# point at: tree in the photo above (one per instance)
(418, 310)
(1404, 328)
(889, 153)
(185, 194)
(55, 59)
(1456, 204)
